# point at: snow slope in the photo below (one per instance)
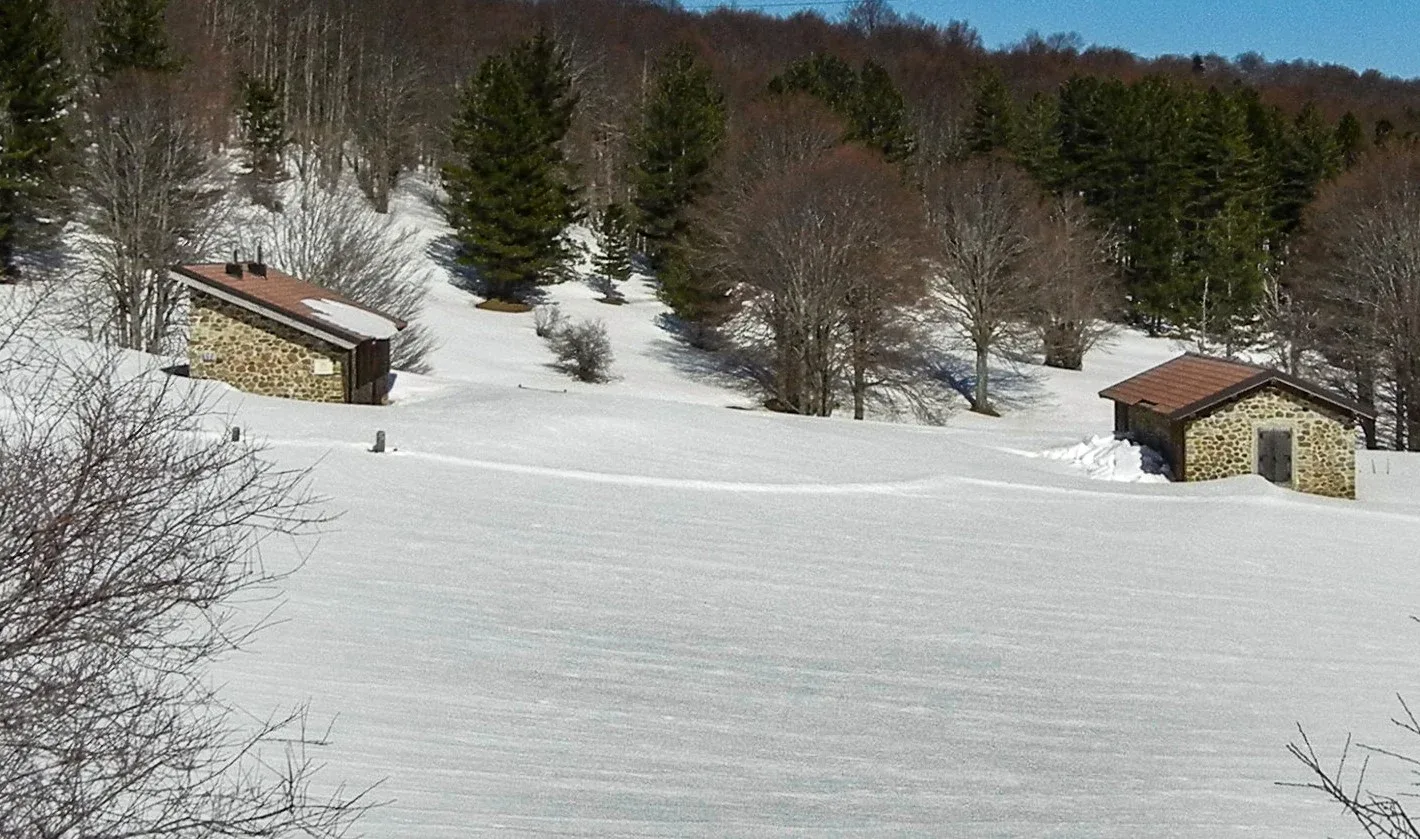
(628, 611)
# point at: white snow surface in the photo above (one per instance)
(1106, 458)
(624, 610)
(351, 318)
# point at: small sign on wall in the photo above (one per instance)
(323, 367)
(209, 356)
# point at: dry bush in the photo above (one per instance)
(331, 238)
(548, 319)
(583, 350)
(130, 540)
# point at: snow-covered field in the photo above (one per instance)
(627, 610)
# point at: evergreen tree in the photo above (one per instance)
(827, 78)
(1309, 157)
(130, 35)
(1227, 226)
(873, 107)
(509, 195)
(1350, 140)
(263, 129)
(682, 131)
(879, 115)
(1037, 142)
(613, 264)
(994, 115)
(35, 90)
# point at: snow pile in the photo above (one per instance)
(1107, 458)
(352, 318)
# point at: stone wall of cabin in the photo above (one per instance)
(247, 351)
(1158, 433)
(1223, 443)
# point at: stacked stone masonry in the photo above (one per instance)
(1224, 442)
(1158, 433)
(231, 344)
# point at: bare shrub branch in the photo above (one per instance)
(583, 350)
(129, 561)
(334, 240)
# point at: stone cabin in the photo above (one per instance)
(266, 332)
(1214, 418)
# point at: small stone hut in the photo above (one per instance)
(1214, 418)
(266, 332)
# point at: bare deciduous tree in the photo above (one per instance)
(332, 239)
(1358, 272)
(828, 259)
(150, 196)
(129, 541)
(385, 124)
(1077, 283)
(983, 214)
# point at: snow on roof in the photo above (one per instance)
(274, 293)
(351, 318)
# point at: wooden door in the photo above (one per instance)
(1274, 454)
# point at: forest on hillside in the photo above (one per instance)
(841, 186)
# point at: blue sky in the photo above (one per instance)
(1380, 34)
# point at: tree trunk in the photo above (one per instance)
(1366, 393)
(979, 402)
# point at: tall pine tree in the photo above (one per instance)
(879, 116)
(994, 118)
(131, 35)
(682, 131)
(36, 89)
(510, 198)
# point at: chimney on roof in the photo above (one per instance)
(234, 268)
(259, 267)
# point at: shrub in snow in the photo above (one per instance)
(334, 239)
(547, 319)
(583, 350)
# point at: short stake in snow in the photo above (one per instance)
(379, 442)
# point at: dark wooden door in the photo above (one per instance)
(1274, 455)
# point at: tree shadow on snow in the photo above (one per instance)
(694, 354)
(1015, 384)
(444, 251)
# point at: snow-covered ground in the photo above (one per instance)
(626, 610)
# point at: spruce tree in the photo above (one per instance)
(263, 127)
(1350, 140)
(681, 134)
(130, 35)
(509, 195)
(1309, 157)
(880, 114)
(994, 116)
(36, 88)
(1037, 143)
(613, 264)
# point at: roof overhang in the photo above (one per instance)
(1262, 379)
(330, 335)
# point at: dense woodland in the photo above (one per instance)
(815, 196)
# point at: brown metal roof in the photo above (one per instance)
(276, 291)
(1191, 384)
